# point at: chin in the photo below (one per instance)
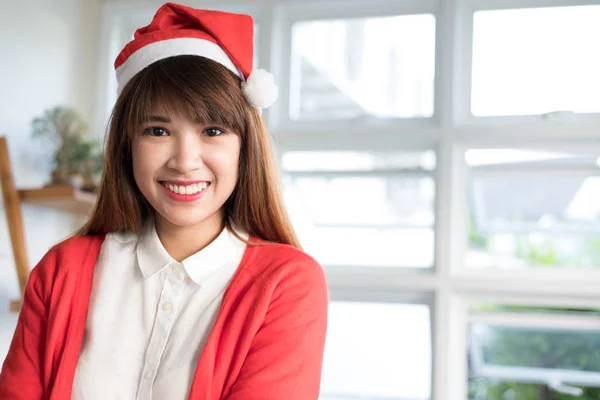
(189, 218)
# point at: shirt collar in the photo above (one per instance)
(212, 259)
(151, 254)
(201, 266)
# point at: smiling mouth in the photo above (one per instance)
(188, 189)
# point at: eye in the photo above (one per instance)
(213, 131)
(155, 131)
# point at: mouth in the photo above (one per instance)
(185, 189)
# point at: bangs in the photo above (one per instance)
(192, 87)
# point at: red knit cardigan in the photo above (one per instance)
(267, 342)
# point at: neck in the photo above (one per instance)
(183, 241)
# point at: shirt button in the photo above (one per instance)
(148, 375)
(167, 307)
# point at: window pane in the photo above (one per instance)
(546, 61)
(533, 208)
(368, 210)
(536, 362)
(367, 67)
(377, 351)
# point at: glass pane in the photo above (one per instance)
(545, 62)
(534, 363)
(379, 67)
(491, 389)
(537, 348)
(345, 217)
(543, 212)
(377, 351)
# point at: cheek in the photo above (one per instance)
(223, 161)
(146, 162)
(229, 163)
(138, 161)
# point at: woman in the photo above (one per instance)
(188, 280)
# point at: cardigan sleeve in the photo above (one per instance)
(286, 355)
(22, 377)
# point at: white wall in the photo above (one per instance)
(49, 55)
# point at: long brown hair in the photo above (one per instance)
(203, 91)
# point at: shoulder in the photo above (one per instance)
(74, 251)
(78, 247)
(275, 266)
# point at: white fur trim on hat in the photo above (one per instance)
(260, 89)
(156, 51)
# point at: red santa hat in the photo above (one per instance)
(222, 37)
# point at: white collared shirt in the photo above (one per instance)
(150, 316)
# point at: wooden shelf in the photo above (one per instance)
(60, 197)
(15, 306)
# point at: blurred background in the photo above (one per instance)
(440, 159)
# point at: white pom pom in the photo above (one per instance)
(260, 89)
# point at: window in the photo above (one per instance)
(536, 61)
(533, 353)
(377, 351)
(356, 208)
(533, 208)
(381, 67)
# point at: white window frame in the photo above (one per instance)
(533, 172)
(335, 9)
(362, 294)
(553, 277)
(564, 380)
(450, 132)
(465, 116)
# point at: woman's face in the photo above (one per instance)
(186, 170)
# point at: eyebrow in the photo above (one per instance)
(158, 118)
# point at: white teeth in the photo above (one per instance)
(190, 189)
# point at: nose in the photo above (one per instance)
(186, 154)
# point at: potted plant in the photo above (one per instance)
(77, 160)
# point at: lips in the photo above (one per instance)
(186, 192)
